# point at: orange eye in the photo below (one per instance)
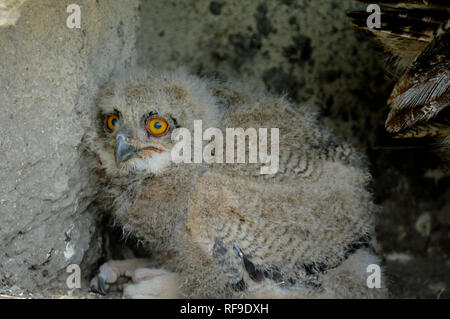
(111, 122)
(157, 126)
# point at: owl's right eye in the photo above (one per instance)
(111, 122)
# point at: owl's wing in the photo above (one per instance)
(417, 33)
(407, 27)
(424, 90)
(285, 227)
(254, 231)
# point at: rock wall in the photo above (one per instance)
(49, 75)
(306, 49)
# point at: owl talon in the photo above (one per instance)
(98, 284)
(101, 285)
(114, 273)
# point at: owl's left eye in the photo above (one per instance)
(157, 126)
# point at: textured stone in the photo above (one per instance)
(49, 75)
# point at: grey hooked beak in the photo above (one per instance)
(123, 151)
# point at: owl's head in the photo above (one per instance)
(137, 113)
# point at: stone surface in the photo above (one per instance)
(49, 75)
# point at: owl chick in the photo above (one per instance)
(224, 230)
(417, 34)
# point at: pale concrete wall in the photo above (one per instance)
(49, 75)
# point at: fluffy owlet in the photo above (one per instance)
(224, 229)
(417, 34)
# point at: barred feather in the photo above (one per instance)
(418, 33)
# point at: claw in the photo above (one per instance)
(101, 284)
(112, 274)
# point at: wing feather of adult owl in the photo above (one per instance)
(417, 34)
(424, 90)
